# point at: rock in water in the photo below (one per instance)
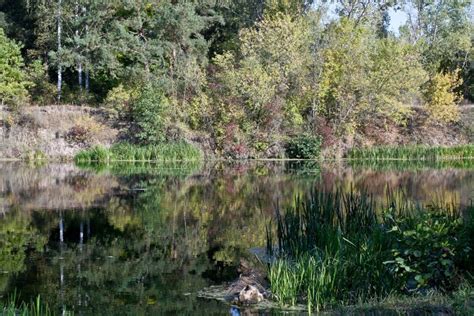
(250, 295)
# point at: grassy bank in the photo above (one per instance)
(413, 153)
(459, 302)
(338, 249)
(179, 151)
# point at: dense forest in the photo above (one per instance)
(252, 78)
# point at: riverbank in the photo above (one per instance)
(54, 132)
(61, 132)
(459, 303)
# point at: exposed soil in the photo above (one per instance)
(56, 132)
(419, 130)
(59, 132)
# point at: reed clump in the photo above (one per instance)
(336, 249)
(429, 153)
(179, 151)
(12, 307)
(411, 165)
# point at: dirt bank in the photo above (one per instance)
(418, 130)
(59, 132)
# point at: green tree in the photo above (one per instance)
(236, 15)
(291, 7)
(369, 12)
(13, 82)
(443, 30)
(149, 115)
(363, 75)
(269, 74)
(395, 79)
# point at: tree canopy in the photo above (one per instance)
(252, 74)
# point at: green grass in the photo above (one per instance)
(430, 153)
(179, 151)
(411, 165)
(35, 308)
(338, 249)
(460, 302)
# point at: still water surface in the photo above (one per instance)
(145, 239)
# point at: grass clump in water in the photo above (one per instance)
(335, 249)
(180, 151)
(414, 153)
(35, 308)
(411, 165)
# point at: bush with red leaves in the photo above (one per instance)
(77, 135)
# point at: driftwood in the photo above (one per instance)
(249, 290)
(250, 287)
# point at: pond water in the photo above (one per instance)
(145, 239)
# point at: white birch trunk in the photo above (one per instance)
(79, 64)
(87, 66)
(60, 75)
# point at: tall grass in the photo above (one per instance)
(35, 308)
(337, 249)
(430, 153)
(411, 165)
(180, 151)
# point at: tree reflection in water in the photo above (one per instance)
(145, 239)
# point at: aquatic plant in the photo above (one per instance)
(413, 152)
(11, 307)
(410, 165)
(305, 146)
(96, 153)
(179, 151)
(338, 249)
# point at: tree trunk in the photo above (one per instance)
(87, 80)
(79, 64)
(87, 55)
(60, 75)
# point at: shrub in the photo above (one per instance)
(442, 99)
(304, 147)
(77, 135)
(118, 100)
(198, 111)
(41, 90)
(93, 126)
(85, 131)
(149, 116)
(13, 81)
(326, 132)
(425, 249)
(467, 240)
